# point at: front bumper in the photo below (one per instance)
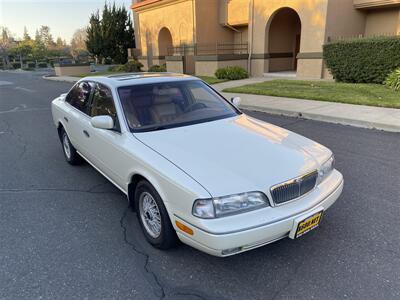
(217, 243)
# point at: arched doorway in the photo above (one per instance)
(164, 41)
(282, 36)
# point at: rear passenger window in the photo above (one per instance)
(79, 96)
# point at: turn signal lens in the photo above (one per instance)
(184, 228)
(204, 208)
(325, 169)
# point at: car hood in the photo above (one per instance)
(238, 154)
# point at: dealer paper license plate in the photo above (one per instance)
(308, 224)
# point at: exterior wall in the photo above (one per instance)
(70, 70)
(174, 64)
(208, 67)
(352, 21)
(208, 28)
(310, 68)
(176, 16)
(382, 21)
(143, 60)
(242, 36)
(211, 21)
(237, 12)
(158, 61)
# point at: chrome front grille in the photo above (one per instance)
(294, 188)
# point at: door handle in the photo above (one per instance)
(86, 133)
(66, 119)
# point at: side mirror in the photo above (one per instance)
(236, 101)
(102, 122)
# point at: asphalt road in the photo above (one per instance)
(65, 232)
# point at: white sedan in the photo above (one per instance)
(193, 166)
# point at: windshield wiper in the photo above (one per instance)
(156, 128)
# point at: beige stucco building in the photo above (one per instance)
(199, 36)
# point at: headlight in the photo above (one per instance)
(229, 205)
(326, 168)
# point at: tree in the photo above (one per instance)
(45, 36)
(78, 44)
(112, 35)
(60, 43)
(94, 39)
(37, 36)
(23, 50)
(6, 39)
(124, 35)
(27, 37)
(6, 43)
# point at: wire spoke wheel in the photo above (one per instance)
(150, 214)
(66, 146)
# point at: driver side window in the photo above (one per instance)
(103, 103)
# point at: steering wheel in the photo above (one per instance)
(195, 106)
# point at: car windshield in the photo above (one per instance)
(172, 104)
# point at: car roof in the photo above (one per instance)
(125, 79)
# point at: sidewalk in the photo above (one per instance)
(387, 119)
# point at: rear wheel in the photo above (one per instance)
(70, 154)
(153, 217)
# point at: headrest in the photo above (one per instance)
(141, 98)
(167, 99)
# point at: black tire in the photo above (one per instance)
(167, 237)
(70, 154)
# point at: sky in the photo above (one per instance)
(62, 16)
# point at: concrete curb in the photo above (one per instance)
(324, 118)
(61, 79)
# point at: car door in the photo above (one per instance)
(105, 146)
(77, 117)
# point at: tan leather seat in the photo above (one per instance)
(164, 109)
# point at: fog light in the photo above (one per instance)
(184, 228)
(231, 250)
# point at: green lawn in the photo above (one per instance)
(208, 79)
(362, 94)
(211, 80)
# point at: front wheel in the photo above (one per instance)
(70, 154)
(153, 217)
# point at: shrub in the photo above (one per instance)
(367, 60)
(107, 61)
(31, 65)
(157, 68)
(393, 80)
(130, 66)
(231, 73)
(42, 64)
(16, 65)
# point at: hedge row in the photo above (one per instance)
(231, 73)
(367, 60)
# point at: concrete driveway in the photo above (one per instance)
(65, 232)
